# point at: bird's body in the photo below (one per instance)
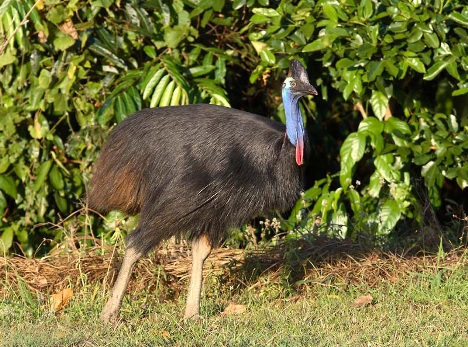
(198, 170)
(210, 174)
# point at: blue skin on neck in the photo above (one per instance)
(294, 123)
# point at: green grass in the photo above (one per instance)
(428, 308)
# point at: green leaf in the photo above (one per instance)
(173, 69)
(61, 202)
(453, 123)
(345, 63)
(453, 70)
(370, 126)
(268, 57)
(390, 67)
(120, 107)
(267, 12)
(458, 18)
(4, 163)
(394, 124)
(460, 91)
(7, 184)
(432, 40)
(317, 45)
(353, 147)
(133, 94)
(461, 176)
(129, 102)
(383, 164)
(437, 68)
(56, 178)
(6, 240)
(41, 174)
(375, 185)
(108, 54)
(416, 64)
(60, 103)
(389, 215)
(365, 9)
(6, 59)
(379, 103)
(158, 92)
(366, 51)
(352, 150)
(374, 69)
(198, 71)
(259, 19)
(220, 71)
(156, 76)
(432, 175)
(218, 5)
(4, 6)
(64, 42)
(399, 26)
(167, 95)
(150, 51)
(330, 12)
(354, 200)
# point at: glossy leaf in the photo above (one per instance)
(390, 215)
(167, 95)
(379, 102)
(158, 92)
(151, 80)
(370, 126)
(351, 152)
(416, 64)
(437, 68)
(267, 57)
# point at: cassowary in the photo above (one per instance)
(198, 170)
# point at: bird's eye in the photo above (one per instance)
(293, 84)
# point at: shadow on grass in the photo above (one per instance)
(294, 264)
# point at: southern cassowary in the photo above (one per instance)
(198, 170)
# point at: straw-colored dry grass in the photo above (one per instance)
(322, 261)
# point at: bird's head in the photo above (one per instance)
(296, 85)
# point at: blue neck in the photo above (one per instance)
(294, 123)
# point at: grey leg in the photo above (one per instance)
(110, 313)
(201, 249)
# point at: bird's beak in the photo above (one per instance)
(306, 89)
(311, 90)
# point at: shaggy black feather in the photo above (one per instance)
(194, 170)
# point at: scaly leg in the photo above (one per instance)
(110, 313)
(201, 249)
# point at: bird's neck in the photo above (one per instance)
(294, 124)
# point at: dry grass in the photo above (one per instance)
(324, 261)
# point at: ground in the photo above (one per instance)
(326, 293)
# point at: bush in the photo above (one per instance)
(402, 67)
(392, 76)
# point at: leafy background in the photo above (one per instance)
(389, 128)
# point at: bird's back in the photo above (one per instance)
(195, 169)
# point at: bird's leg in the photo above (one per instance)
(110, 312)
(201, 249)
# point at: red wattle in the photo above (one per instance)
(300, 151)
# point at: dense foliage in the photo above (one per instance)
(393, 106)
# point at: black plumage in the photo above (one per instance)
(192, 170)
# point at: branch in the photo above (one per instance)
(360, 108)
